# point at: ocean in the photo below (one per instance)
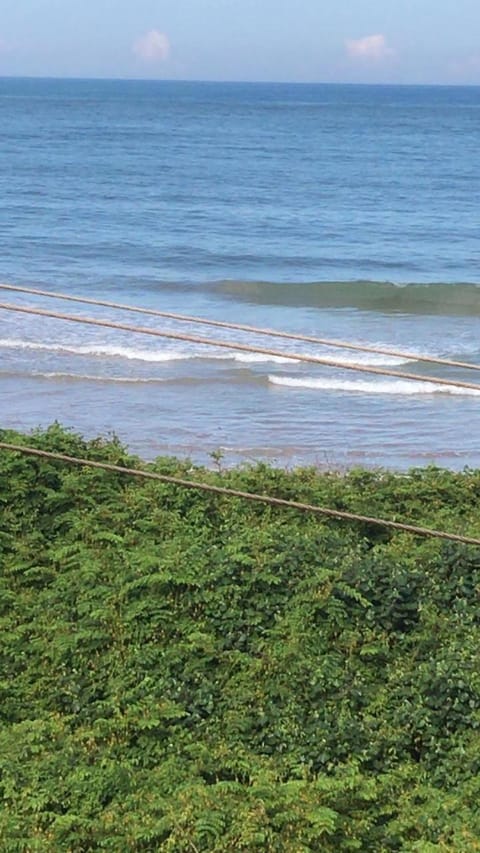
(345, 212)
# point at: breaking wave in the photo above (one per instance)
(366, 386)
(95, 350)
(162, 356)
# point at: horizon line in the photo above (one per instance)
(218, 81)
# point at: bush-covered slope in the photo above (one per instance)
(185, 672)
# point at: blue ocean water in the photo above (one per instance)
(346, 212)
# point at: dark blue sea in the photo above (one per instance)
(346, 212)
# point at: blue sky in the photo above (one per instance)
(404, 41)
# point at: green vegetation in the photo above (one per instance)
(184, 672)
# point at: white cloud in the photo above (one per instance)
(154, 46)
(372, 48)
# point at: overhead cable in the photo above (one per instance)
(232, 345)
(185, 318)
(235, 493)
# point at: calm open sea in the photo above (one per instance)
(349, 212)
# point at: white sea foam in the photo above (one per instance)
(258, 358)
(94, 349)
(365, 386)
(154, 356)
(365, 358)
(336, 355)
(101, 350)
(342, 357)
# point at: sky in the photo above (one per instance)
(345, 41)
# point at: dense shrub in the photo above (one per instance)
(189, 673)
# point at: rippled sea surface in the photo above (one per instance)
(342, 212)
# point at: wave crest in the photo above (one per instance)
(442, 299)
(365, 386)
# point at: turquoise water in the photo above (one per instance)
(347, 212)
